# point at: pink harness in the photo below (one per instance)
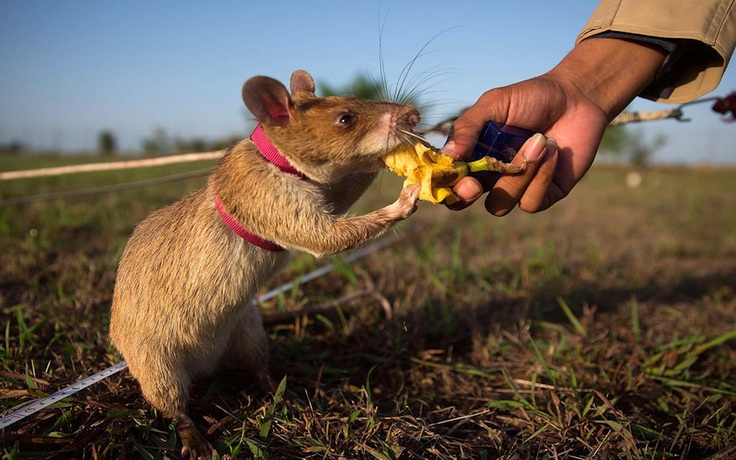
(272, 154)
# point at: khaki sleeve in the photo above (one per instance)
(705, 31)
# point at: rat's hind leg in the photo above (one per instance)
(247, 348)
(163, 384)
(168, 391)
(194, 445)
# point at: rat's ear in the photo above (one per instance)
(267, 100)
(301, 81)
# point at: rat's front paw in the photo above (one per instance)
(407, 202)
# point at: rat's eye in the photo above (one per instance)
(346, 119)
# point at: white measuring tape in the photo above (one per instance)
(31, 409)
(41, 404)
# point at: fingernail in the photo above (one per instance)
(449, 148)
(535, 147)
(468, 190)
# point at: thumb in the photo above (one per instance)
(463, 135)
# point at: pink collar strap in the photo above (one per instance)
(241, 231)
(272, 154)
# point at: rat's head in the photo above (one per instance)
(326, 138)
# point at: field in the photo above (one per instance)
(602, 328)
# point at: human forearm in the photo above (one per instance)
(704, 31)
(609, 72)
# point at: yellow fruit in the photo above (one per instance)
(418, 164)
(437, 173)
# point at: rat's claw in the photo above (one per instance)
(194, 445)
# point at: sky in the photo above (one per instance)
(70, 69)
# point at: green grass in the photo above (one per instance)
(604, 326)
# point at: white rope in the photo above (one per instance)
(110, 165)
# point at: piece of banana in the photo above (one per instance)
(437, 173)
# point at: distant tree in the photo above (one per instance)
(640, 153)
(196, 144)
(614, 140)
(621, 144)
(222, 144)
(107, 144)
(13, 148)
(158, 144)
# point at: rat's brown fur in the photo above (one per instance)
(183, 302)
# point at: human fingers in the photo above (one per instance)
(462, 138)
(543, 192)
(538, 157)
(465, 130)
(468, 189)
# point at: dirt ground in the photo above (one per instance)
(602, 328)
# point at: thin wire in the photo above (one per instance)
(103, 190)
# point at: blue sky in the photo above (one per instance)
(69, 69)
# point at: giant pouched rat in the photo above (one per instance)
(184, 297)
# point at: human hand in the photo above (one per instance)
(553, 162)
(571, 105)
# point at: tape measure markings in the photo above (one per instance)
(40, 404)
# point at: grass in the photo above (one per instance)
(603, 327)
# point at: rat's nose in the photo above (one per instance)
(412, 117)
